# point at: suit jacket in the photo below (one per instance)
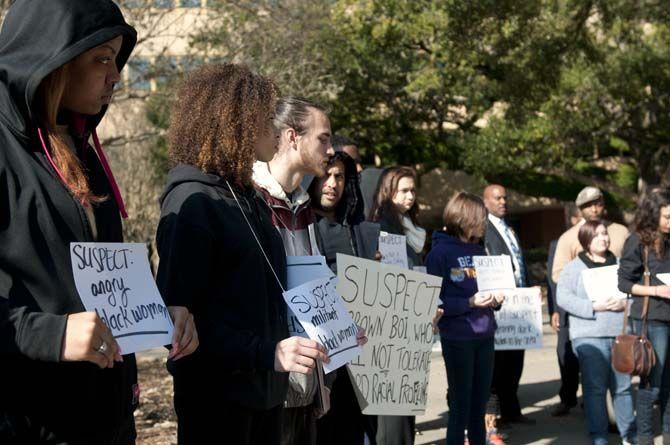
(495, 245)
(551, 287)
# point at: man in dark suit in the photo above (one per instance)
(567, 360)
(500, 239)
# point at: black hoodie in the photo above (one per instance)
(39, 219)
(211, 263)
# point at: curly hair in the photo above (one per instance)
(220, 112)
(647, 218)
(386, 189)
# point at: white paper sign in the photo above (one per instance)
(602, 283)
(664, 277)
(520, 320)
(319, 309)
(494, 272)
(396, 307)
(300, 270)
(114, 280)
(393, 249)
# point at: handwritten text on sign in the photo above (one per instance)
(300, 270)
(114, 280)
(395, 306)
(520, 320)
(319, 309)
(494, 272)
(393, 249)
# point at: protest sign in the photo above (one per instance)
(115, 281)
(320, 311)
(396, 307)
(520, 320)
(494, 272)
(602, 283)
(300, 270)
(393, 249)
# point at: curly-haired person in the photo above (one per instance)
(222, 258)
(651, 240)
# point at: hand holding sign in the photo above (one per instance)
(85, 333)
(298, 354)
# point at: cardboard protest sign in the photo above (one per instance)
(494, 272)
(115, 281)
(393, 249)
(319, 309)
(396, 307)
(602, 283)
(520, 320)
(300, 270)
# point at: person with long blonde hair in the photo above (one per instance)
(63, 377)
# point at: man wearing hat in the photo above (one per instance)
(592, 206)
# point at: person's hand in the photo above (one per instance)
(319, 413)
(615, 304)
(185, 338)
(482, 300)
(361, 337)
(662, 291)
(499, 299)
(556, 321)
(600, 306)
(436, 319)
(88, 339)
(378, 255)
(298, 354)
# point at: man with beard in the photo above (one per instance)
(340, 228)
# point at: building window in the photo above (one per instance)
(190, 3)
(138, 71)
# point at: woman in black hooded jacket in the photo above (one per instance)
(63, 378)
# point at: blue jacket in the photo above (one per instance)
(451, 259)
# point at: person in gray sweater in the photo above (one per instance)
(593, 328)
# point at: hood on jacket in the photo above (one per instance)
(442, 238)
(187, 173)
(351, 207)
(264, 179)
(39, 36)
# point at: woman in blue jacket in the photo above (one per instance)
(468, 326)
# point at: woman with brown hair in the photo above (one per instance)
(63, 378)
(222, 258)
(396, 209)
(468, 326)
(647, 249)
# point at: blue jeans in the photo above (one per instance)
(595, 361)
(657, 384)
(469, 373)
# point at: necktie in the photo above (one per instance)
(516, 251)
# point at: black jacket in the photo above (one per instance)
(43, 398)
(211, 263)
(631, 271)
(495, 245)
